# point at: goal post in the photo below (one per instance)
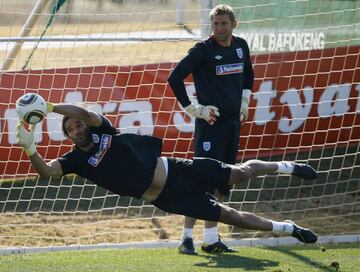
(114, 57)
(30, 22)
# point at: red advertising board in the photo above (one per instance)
(301, 101)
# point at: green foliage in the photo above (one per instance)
(295, 14)
(338, 20)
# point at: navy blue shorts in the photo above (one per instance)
(188, 185)
(219, 141)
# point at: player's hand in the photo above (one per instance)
(26, 138)
(245, 101)
(208, 113)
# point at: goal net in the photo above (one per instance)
(114, 57)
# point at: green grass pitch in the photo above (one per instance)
(327, 258)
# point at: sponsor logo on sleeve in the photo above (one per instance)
(226, 69)
(105, 144)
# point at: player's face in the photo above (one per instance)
(78, 132)
(222, 28)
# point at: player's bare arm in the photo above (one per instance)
(46, 170)
(26, 140)
(88, 117)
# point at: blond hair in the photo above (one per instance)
(222, 10)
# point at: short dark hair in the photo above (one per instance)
(64, 120)
(222, 10)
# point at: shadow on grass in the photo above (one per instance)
(235, 261)
(304, 259)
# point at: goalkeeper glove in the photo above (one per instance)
(26, 138)
(208, 113)
(49, 107)
(245, 101)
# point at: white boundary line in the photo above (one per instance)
(250, 242)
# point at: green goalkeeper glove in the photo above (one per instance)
(49, 107)
(26, 138)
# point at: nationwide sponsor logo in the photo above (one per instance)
(226, 69)
(105, 144)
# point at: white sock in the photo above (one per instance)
(282, 227)
(187, 233)
(285, 167)
(210, 235)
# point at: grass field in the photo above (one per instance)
(341, 257)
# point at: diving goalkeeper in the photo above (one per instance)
(132, 165)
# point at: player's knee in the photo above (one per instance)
(241, 173)
(249, 168)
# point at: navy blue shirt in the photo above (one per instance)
(121, 163)
(219, 73)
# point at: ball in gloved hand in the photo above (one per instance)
(31, 108)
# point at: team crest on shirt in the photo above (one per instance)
(206, 146)
(95, 138)
(105, 144)
(239, 52)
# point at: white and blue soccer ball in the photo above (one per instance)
(31, 108)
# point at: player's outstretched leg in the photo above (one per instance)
(252, 221)
(254, 168)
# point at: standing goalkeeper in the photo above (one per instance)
(223, 78)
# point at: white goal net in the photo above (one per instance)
(114, 57)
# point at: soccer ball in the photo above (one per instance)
(31, 108)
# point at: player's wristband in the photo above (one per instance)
(246, 95)
(49, 107)
(31, 150)
(191, 109)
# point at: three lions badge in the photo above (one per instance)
(206, 146)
